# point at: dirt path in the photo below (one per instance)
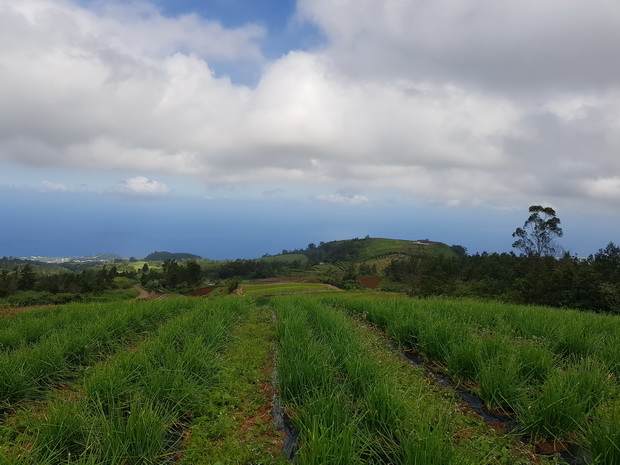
(243, 430)
(144, 294)
(329, 286)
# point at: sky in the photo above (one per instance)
(236, 128)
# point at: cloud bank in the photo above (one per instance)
(465, 102)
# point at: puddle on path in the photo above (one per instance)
(283, 422)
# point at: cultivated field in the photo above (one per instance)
(273, 289)
(351, 378)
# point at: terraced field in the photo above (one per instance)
(318, 378)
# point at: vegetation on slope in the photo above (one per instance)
(586, 284)
(359, 250)
(164, 380)
(161, 256)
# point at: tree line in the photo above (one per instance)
(185, 275)
(588, 284)
(25, 278)
(335, 251)
(173, 275)
(542, 274)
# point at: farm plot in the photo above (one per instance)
(131, 408)
(237, 426)
(27, 328)
(41, 355)
(560, 389)
(567, 333)
(353, 401)
(275, 289)
(189, 381)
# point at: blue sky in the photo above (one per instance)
(234, 128)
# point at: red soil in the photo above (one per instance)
(203, 291)
(369, 282)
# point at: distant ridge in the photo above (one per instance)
(347, 250)
(161, 256)
(99, 258)
(360, 250)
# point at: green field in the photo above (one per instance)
(287, 258)
(192, 381)
(272, 289)
(377, 247)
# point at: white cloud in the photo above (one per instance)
(508, 45)
(604, 188)
(54, 186)
(343, 198)
(448, 102)
(131, 27)
(142, 186)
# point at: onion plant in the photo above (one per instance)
(564, 404)
(603, 437)
(553, 375)
(28, 370)
(125, 410)
(354, 414)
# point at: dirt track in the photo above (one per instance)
(144, 294)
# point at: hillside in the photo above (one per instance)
(379, 247)
(161, 256)
(369, 249)
(287, 258)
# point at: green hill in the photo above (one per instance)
(368, 249)
(287, 258)
(162, 256)
(378, 247)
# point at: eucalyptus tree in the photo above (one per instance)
(537, 237)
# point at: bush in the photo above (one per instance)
(232, 284)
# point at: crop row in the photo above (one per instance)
(344, 409)
(570, 398)
(352, 406)
(237, 426)
(131, 408)
(136, 376)
(58, 355)
(29, 327)
(566, 333)
(256, 290)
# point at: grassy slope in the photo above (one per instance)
(377, 251)
(285, 258)
(377, 248)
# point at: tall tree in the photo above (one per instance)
(193, 272)
(26, 278)
(172, 273)
(537, 237)
(607, 262)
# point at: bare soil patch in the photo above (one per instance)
(203, 291)
(10, 311)
(144, 294)
(369, 282)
